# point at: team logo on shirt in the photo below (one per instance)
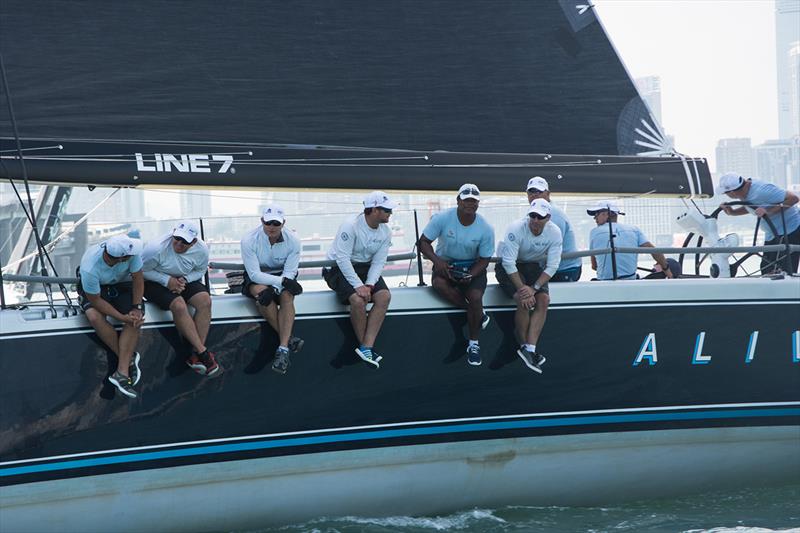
(344, 236)
(511, 237)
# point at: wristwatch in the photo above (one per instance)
(537, 287)
(140, 307)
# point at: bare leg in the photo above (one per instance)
(380, 304)
(286, 317)
(185, 324)
(127, 343)
(358, 317)
(448, 292)
(538, 317)
(104, 330)
(474, 312)
(522, 321)
(202, 314)
(269, 312)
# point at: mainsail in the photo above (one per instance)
(477, 80)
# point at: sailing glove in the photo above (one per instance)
(292, 286)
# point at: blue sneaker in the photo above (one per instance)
(474, 355)
(367, 355)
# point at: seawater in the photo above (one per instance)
(741, 510)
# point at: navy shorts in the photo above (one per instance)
(336, 281)
(276, 296)
(119, 295)
(163, 297)
(529, 272)
(477, 282)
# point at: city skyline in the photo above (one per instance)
(714, 84)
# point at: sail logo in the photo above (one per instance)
(200, 163)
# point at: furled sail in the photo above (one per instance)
(478, 80)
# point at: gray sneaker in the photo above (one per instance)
(281, 362)
(123, 383)
(296, 344)
(474, 355)
(532, 360)
(133, 369)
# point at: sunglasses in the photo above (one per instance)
(182, 240)
(385, 210)
(473, 192)
(272, 223)
(537, 216)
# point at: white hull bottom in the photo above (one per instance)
(567, 470)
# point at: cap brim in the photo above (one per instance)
(465, 196)
(185, 236)
(273, 217)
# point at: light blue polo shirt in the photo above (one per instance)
(559, 218)
(762, 194)
(95, 272)
(625, 236)
(455, 242)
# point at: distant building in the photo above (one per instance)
(794, 85)
(787, 34)
(195, 204)
(126, 205)
(735, 155)
(778, 162)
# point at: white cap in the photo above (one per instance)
(538, 183)
(186, 230)
(379, 199)
(730, 182)
(272, 212)
(604, 205)
(469, 190)
(122, 245)
(541, 207)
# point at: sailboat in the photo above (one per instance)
(651, 388)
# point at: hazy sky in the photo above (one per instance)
(716, 60)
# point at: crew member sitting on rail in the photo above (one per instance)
(110, 284)
(360, 249)
(766, 200)
(625, 236)
(271, 256)
(464, 246)
(529, 256)
(174, 266)
(570, 269)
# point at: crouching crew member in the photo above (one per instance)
(174, 264)
(766, 200)
(110, 284)
(464, 246)
(360, 249)
(271, 257)
(530, 243)
(625, 236)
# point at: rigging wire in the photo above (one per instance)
(32, 216)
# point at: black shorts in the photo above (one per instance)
(336, 281)
(162, 296)
(276, 296)
(119, 295)
(477, 282)
(529, 272)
